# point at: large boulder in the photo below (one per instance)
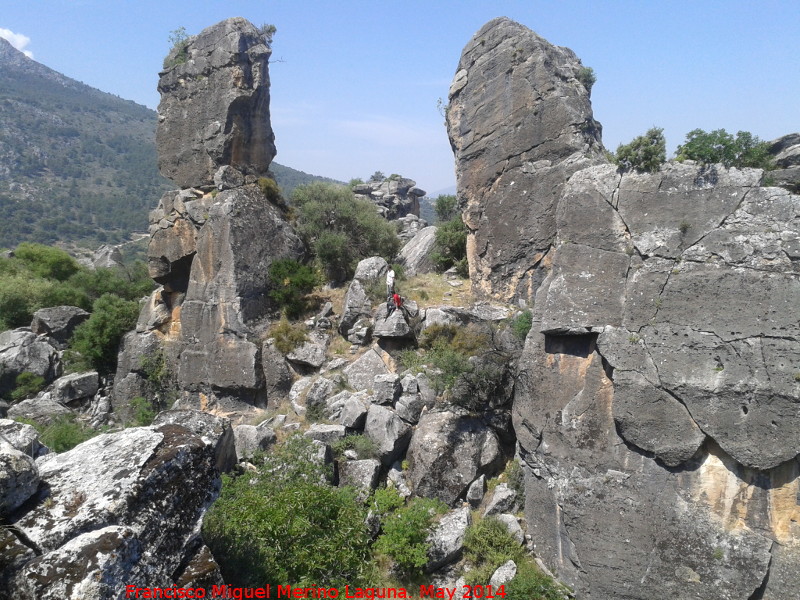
(120, 509)
(520, 123)
(448, 451)
(214, 108)
(394, 197)
(446, 541)
(58, 322)
(415, 256)
(24, 352)
(389, 432)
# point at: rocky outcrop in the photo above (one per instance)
(520, 124)
(395, 197)
(120, 509)
(659, 373)
(415, 256)
(656, 402)
(214, 108)
(211, 250)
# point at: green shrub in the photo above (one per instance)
(521, 324)
(340, 229)
(405, 533)
(587, 78)
(446, 208)
(645, 153)
(530, 583)
(27, 386)
(46, 261)
(20, 297)
(291, 282)
(179, 44)
(487, 545)
(515, 477)
(270, 189)
(365, 447)
(144, 411)
(283, 525)
(96, 341)
(287, 336)
(450, 247)
(63, 433)
(719, 146)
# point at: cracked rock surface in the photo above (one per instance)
(658, 400)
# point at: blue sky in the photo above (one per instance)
(355, 84)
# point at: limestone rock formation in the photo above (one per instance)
(656, 402)
(211, 249)
(520, 123)
(24, 352)
(214, 108)
(395, 197)
(786, 150)
(58, 323)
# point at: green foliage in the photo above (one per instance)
(515, 477)
(287, 336)
(450, 247)
(446, 208)
(283, 525)
(63, 433)
(179, 48)
(587, 78)
(291, 282)
(487, 545)
(530, 582)
(340, 229)
(405, 532)
(46, 261)
(27, 386)
(645, 153)
(355, 181)
(268, 31)
(719, 146)
(20, 297)
(143, 411)
(270, 188)
(97, 339)
(521, 324)
(364, 446)
(376, 177)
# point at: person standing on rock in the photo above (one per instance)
(390, 282)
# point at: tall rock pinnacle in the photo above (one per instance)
(214, 108)
(520, 123)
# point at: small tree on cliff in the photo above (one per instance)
(645, 153)
(719, 146)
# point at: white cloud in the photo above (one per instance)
(17, 40)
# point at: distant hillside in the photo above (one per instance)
(77, 165)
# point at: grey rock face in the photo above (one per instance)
(357, 309)
(250, 439)
(214, 108)
(360, 474)
(212, 430)
(520, 123)
(19, 478)
(58, 322)
(310, 353)
(503, 501)
(415, 256)
(446, 541)
(23, 437)
(503, 574)
(371, 269)
(658, 371)
(786, 151)
(76, 386)
(327, 434)
(361, 372)
(389, 432)
(42, 409)
(397, 324)
(448, 452)
(24, 352)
